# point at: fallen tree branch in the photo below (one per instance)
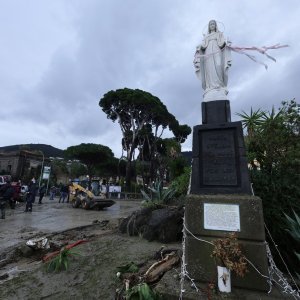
(55, 253)
(159, 268)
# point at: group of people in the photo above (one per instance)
(7, 193)
(64, 194)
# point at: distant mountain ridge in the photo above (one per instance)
(49, 151)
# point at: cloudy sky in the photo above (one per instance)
(59, 57)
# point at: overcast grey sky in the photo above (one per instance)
(59, 57)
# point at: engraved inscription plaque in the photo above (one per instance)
(219, 166)
(224, 217)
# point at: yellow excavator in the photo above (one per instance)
(81, 197)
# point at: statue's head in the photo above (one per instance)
(212, 26)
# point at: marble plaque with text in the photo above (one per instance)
(222, 217)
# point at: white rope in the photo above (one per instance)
(184, 273)
(253, 266)
(265, 276)
(197, 237)
(273, 270)
(282, 283)
(281, 257)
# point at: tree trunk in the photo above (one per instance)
(128, 175)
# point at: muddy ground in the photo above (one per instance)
(92, 274)
(52, 216)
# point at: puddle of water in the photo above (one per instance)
(10, 274)
(15, 271)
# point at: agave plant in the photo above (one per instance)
(158, 195)
(294, 231)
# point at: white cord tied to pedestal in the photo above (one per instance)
(184, 273)
(281, 282)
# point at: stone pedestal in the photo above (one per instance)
(219, 160)
(215, 112)
(201, 265)
(221, 201)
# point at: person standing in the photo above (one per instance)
(52, 192)
(6, 192)
(64, 193)
(30, 197)
(69, 191)
(17, 194)
(42, 191)
(2, 207)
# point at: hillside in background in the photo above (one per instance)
(188, 155)
(49, 151)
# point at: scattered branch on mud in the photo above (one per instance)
(68, 247)
(59, 260)
(137, 281)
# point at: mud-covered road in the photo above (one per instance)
(92, 274)
(52, 216)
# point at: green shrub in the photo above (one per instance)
(294, 231)
(142, 291)
(157, 195)
(181, 183)
(61, 261)
(128, 268)
(273, 150)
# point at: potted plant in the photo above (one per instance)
(229, 257)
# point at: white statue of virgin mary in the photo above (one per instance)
(212, 61)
